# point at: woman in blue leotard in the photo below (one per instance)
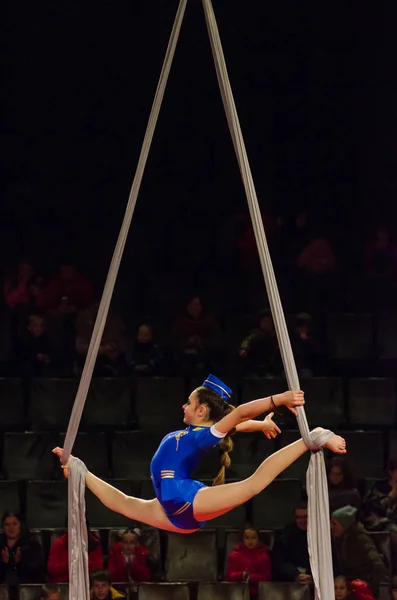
(182, 504)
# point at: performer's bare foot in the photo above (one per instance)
(336, 444)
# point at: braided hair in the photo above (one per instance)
(217, 409)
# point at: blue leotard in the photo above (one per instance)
(177, 456)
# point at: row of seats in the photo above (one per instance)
(184, 591)
(154, 404)
(127, 454)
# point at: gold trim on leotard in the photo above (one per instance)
(182, 509)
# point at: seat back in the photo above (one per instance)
(192, 557)
(223, 591)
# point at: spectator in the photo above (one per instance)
(259, 350)
(21, 557)
(341, 488)
(196, 335)
(356, 556)
(101, 586)
(128, 559)
(50, 591)
(68, 292)
(146, 356)
(16, 287)
(249, 561)
(36, 355)
(110, 360)
(290, 557)
(306, 348)
(381, 493)
(381, 254)
(58, 565)
(355, 590)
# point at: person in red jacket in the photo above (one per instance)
(249, 561)
(128, 560)
(58, 566)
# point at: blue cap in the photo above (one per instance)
(219, 387)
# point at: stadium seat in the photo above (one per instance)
(100, 516)
(163, 591)
(261, 388)
(386, 335)
(32, 591)
(392, 449)
(132, 452)
(365, 453)
(372, 401)
(299, 467)
(55, 534)
(324, 401)
(273, 507)
(223, 591)
(233, 537)
(249, 451)
(283, 591)
(12, 404)
(109, 403)
(91, 448)
(28, 456)
(46, 504)
(234, 518)
(147, 490)
(51, 402)
(9, 497)
(4, 592)
(382, 542)
(158, 403)
(192, 557)
(349, 336)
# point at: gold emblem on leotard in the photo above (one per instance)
(178, 437)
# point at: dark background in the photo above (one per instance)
(315, 87)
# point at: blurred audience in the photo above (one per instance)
(110, 361)
(307, 350)
(128, 559)
(68, 292)
(21, 559)
(196, 338)
(259, 352)
(290, 556)
(249, 561)
(145, 357)
(341, 488)
(36, 355)
(50, 591)
(355, 554)
(381, 254)
(58, 561)
(101, 586)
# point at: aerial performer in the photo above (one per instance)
(183, 505)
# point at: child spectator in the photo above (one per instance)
(250, 561)
(259, 350)
(21, 558)
(50, 591)
(146, 356)
(306, 348)
(58, 563)
(101, 588)
(36, 355)
(128, 559)
(341, 488)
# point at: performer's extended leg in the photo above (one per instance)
(211, 502)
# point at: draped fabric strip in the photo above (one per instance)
(78, 562)
(318, 528)
(319, 537)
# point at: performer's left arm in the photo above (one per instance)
(267, 426)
